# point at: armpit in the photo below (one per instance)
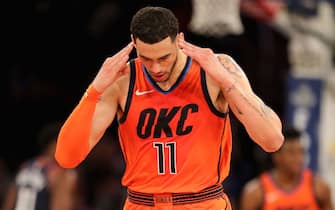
(221, 104)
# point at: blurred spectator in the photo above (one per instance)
(310, 29)
(101, 175)
(289, 184)
(40, 184)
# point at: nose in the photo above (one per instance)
(155, 67)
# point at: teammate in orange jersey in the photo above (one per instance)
(172, 104)
(289, 185)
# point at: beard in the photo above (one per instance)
(171, 70)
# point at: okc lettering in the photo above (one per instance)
(157, 121)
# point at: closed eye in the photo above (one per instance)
(163, 58)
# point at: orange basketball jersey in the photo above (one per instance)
(301, 197)
(175, 140)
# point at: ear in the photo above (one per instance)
(133, 40)
(181, 36)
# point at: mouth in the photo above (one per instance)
(158, 77)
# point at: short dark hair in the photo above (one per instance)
(291, 133)
(153, 24)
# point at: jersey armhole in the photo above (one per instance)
(130, 91)
(207, 97)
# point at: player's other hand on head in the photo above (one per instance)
(112, 68)
(204, 56)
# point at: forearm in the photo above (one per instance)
(73, 140)
(261, 122)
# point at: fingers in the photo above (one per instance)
(121, 56)
(126, 50)
(129, 47)
(188, 48)
(124, 56)
(113, 67)
(184, 47)
(124, 53)
(205, 56)
(187, 45)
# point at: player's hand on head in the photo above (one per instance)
(204, 56)
(112, 68)
(190, 49)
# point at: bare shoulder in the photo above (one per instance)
(321, 186)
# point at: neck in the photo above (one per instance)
(285, 180)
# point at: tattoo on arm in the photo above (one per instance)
(263, 110)
(229, 66)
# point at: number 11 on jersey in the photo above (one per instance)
(160, 149)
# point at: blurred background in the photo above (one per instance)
(52, 50)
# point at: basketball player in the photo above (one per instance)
(289, 185)
(172, 104)
(40, 184)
